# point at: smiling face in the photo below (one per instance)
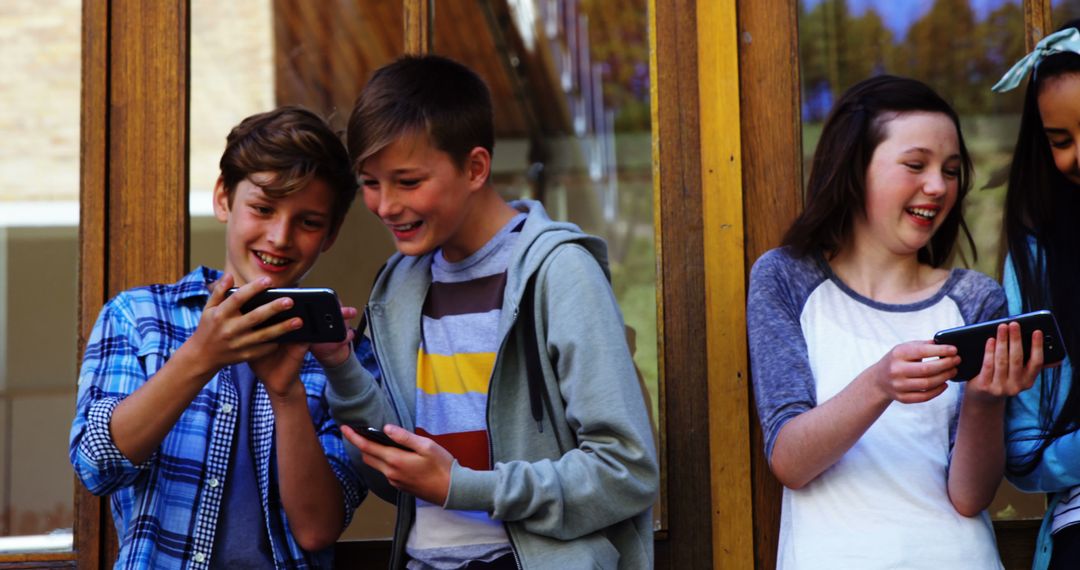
(1059, 108)
(424, 198)
(911, 184)
(278, 238)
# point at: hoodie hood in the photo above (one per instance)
(406, 278)
(539, 237)
(397, 298)
(598, 404)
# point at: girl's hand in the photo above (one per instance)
(423, 472)
(1004, 373)
(906, 375)
(333, 354)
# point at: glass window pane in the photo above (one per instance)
(958, 47)
(1064, 11)
(39, 215)
(570, 86)
(249, 56)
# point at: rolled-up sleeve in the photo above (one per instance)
(110, 371)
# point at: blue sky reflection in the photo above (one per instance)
(899, 15)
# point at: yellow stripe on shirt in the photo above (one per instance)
(454, 374)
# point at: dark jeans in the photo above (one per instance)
(1066, 553)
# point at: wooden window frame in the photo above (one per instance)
(133, 221)
(134, 229)
(723, 195)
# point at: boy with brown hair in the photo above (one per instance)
(215, 442)
(505, 369)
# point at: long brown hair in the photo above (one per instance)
(836, 192)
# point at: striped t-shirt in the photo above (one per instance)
(459, 341)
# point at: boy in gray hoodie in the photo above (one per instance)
(505, 370)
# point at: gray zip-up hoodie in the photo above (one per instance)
(577, 494)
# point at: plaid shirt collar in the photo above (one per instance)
(195, 285)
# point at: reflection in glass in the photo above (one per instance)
(1063, 11)
(39, 212)
(232, 77)
(958, 47)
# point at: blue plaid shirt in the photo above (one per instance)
(166, 508)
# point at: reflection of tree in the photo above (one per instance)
(947, 48)
(1002, 43)
(1065, 10)
(837, 49)
(942, 50)
(618, 35)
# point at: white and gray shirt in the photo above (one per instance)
(884, 504)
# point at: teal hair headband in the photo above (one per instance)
(1067, 40)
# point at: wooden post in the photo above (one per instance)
(680, 287)
(1037, 21)
(133, 226)
(148, 135)
(419, 26)
(90, 515)
(772, 191)
(725, 285)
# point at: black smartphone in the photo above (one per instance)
(378, 436)
(970, 340)
(318, 307)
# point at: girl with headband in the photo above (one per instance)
(1042, 270)
(885, 464)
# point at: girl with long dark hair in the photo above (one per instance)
(1042, 270)
(885, 464)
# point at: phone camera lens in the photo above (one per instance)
(329, 320)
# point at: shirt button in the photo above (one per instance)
(213, 482)
(226, 408)
(200, 557)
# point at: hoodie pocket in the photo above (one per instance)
(604, 554)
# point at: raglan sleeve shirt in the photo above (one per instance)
(784, 384)
(782, 379)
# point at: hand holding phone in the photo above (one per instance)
(970, 340)
(318, 308)
(378, 436)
